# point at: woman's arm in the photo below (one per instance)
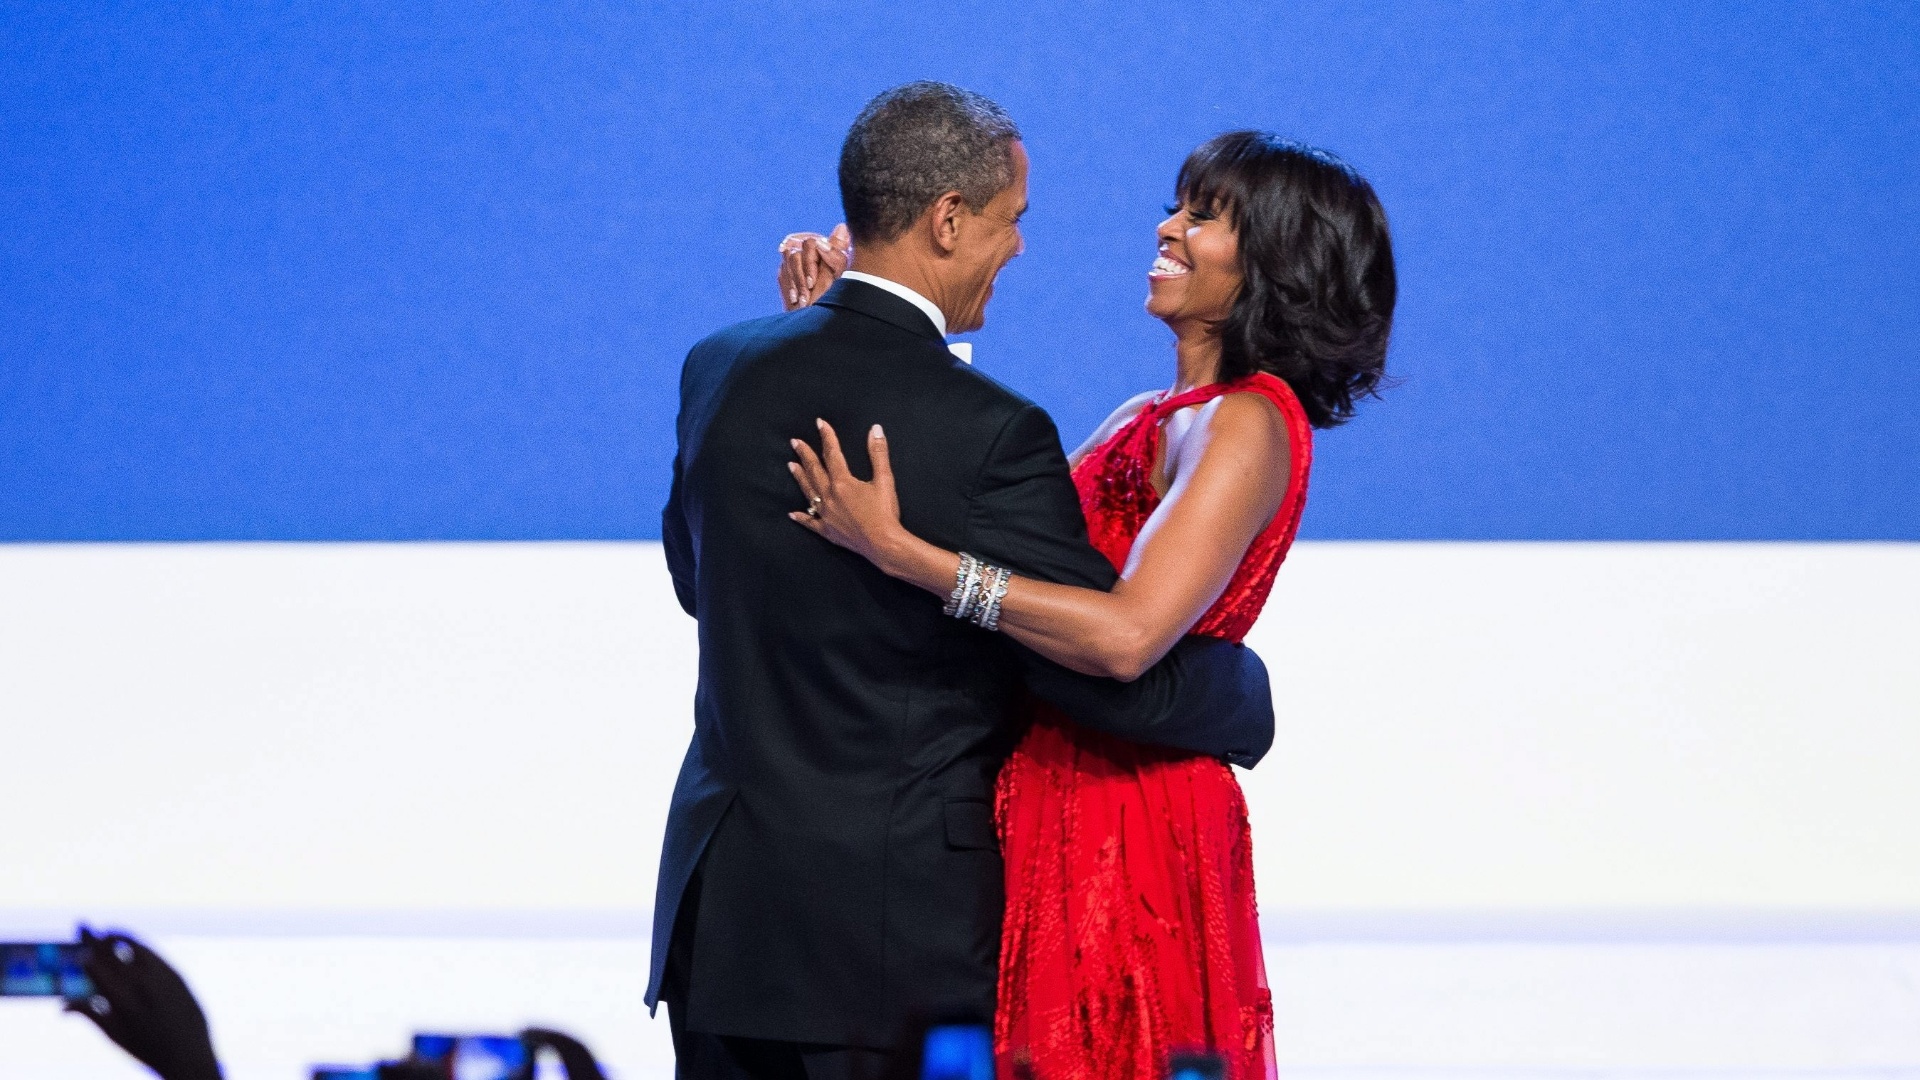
(1229, 475)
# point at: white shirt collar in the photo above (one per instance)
(904, 293)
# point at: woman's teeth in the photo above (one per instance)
(1166, 267)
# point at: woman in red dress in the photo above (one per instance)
(1130, 931)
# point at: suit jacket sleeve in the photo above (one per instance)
(677, 539)
(1207, 696)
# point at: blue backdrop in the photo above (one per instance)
(332, 271)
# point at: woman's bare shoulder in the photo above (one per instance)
(1248, 414)
(1237, 426)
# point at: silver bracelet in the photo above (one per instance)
(958, 601)
(983, 593)
(978, 590)
(970, 588)
(989, 616)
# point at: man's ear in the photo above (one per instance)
(943, 219)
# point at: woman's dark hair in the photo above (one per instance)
(1316, 307)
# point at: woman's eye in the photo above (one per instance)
(1200, 215)
(1172, 209)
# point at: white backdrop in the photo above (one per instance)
(492, 729)
(1640, 808)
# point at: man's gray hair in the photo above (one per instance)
(913, 144)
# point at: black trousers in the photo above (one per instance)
(699, 1055)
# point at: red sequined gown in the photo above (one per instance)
(1130, 928)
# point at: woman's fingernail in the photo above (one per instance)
(795, 443)
(878, 433)
(809, 281)
(819, 423)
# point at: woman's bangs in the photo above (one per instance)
(1208, 179)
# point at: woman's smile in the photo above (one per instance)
(1166, 265)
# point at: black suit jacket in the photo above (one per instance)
(846, 733)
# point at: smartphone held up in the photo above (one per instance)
(44, 969)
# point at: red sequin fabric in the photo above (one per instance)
(1131, 931)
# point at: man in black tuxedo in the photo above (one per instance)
(830, 870)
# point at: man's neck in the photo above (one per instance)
(902, 267)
